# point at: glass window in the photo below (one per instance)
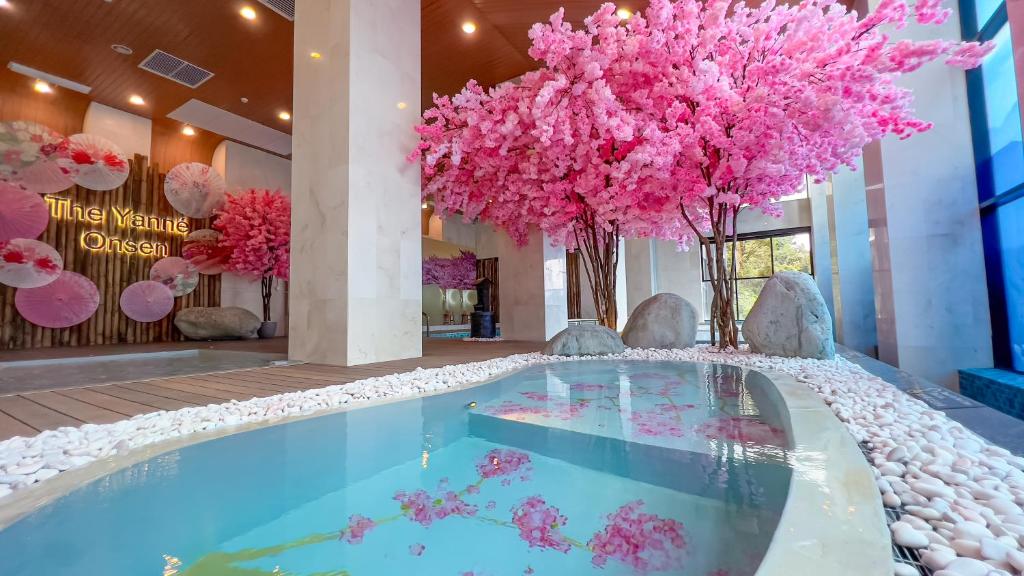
(1010, 220)
(1002, 114)
(753, 258)
(792, 253)
(984, 9)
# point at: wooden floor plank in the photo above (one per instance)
(224, 383)
(144, 398)
(152, 387)
(289, 384)
(11, 426)
(113, 403)
(35, 415)
(206, 389)
(75, 408)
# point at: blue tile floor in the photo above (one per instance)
(997, 427)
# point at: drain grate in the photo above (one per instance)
(899, 553)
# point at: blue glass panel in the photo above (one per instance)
(1002, 111)
(1010, 218)
(983, 10)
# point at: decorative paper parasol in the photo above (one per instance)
(23, 214)
(147, 301)
(176, 273)
(70, 299)
(28, 263)
(33, 157)
(194, 189)
(95, 162)
(202, 248)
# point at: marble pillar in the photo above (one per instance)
(641, 272)
(532, 286)
(922, 204)
(355, 278)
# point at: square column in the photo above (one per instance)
(533, 288)
(355, 278)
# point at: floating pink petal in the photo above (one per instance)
(69, 300)
(23, 214)
(147, 301)
(28, 263)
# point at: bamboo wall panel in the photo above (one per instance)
(111, 271)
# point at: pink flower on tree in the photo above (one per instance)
(256, 227)
(645, 542)
(358, 526)
(504, 462)
(539, 524)
(458, 272)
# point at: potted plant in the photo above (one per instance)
(255, 227)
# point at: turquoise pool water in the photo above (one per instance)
(591, 467)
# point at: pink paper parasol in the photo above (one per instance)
(70, 299)
(147, 301)
(194, 189)
(28, 263)
(32, 157)
(176, 273)
(23, 214)
(95, 162)
(202, 248)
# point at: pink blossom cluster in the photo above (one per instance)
(539, 524)
(645, 542)
(358, 526)
(741, 429)
(560, 409)
(457, 272)
(256, 227)
(504, 462)
(424, 508)
(662, 420)
(650, 126)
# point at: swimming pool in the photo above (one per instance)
(603, 467)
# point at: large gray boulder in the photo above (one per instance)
(585, 340)
(217, 323)
(662, 321)
(790, 319)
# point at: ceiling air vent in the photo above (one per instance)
(285, 8)
(173, 68)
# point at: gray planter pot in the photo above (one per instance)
(267, 330)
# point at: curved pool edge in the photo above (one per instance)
(833, 521)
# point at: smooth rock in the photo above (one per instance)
(906, 536)
(790, 319)
(968, 567)
(227, 323)
(902, 569)
(584, 340)
(666, 321)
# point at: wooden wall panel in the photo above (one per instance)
(171, 147)
(63, 111)
(111, 271)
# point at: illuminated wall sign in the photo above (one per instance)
(126, 218)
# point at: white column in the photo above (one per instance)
(922, 205)
(532, 288)
(355, 280)
(641, 275)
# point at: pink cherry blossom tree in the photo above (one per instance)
(669, 124)
(255, 227)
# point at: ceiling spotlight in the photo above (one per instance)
(188, 130)
(5, 4)
(402, 105)
(468, 27)
(121, 49)
(244, 100)
(424, 206)
(624, 13)
(284, 115)
(248, 13)
(137, 100)
(315, 55)
(42, 87)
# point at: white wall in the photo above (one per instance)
(132, 134)
(532, 288)
(243, 168)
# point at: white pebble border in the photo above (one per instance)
(962, 495)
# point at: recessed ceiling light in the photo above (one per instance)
(468, 27)
(121, 49)
(244, 100)
(315, 55)
(283, 115)
(424, 206)
(42, 87)
(248, 13)
(188, 130)
(5, 4)
(402, 105)
(624, 13)
(137, 100)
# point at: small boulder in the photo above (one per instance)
(790, 319)
(585, 340)
(664, 321)
(230, 323)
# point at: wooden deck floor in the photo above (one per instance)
(30, 413)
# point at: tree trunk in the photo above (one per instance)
(267, 288)
(600, 251)
(721, 271)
